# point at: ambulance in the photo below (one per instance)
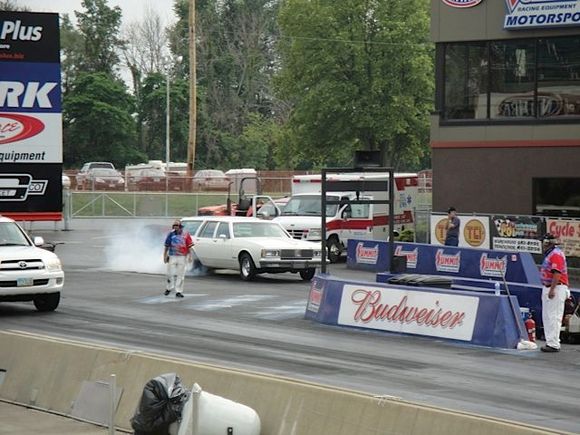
(302, 214)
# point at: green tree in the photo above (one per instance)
(99, 27)
(97, 121)
(359, 75)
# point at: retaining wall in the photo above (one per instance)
(48, 373)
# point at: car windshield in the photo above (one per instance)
(308, 205)
(101, 165)
(258, 229)
(209, 173)
(12, 235)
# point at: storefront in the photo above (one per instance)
(505, 135)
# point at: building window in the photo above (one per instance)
(557, 196)
(466, 81)
(511, 80)
(559, 77)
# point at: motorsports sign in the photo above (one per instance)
(527, 14)
(30, 116)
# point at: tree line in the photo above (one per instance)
(281, 84)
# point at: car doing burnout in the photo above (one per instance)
(251, 246)
(27, 272)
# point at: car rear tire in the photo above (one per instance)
(47, 302)
(307, 274)
(247, 267)
(334, 249)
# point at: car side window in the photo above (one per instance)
(208, 230)
(192, 226)
(223, 230)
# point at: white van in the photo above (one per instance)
(301, 215)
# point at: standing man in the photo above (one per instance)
(177, 252)
(452, 227)
(554, 274)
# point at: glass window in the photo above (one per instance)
(557, 196)
(466, 81)
(191, 226)
(223, 230)
(208, 230)
(512, 79)
(559, 77)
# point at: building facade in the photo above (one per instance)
(505, 135)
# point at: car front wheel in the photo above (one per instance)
(48, 302)
(247, 267)
(307, 274)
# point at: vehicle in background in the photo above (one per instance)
(210, 179)
(65, 181)
(27, 272)
(100, 179)
(251, 246)
(302, 214)
(249, 177)
(93, 165)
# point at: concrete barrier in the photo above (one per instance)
(48, 373)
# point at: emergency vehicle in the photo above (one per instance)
(301, 215)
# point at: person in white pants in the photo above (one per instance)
(176, 255)
(554, 274)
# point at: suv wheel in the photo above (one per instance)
(47, 302)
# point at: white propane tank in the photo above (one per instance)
(208, 414)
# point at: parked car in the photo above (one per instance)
(27, 272)
(101, 179)
(210, 179)
(252, 246)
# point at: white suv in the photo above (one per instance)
(27, 272)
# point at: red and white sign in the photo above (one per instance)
(368, 254)
(493, 267)
(30, 138)
(447, 262)
(412, 256)
(411, 312)
(568, 231)
(462, 3)
(315, 298)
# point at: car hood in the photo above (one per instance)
(280, 243)
(25, 253)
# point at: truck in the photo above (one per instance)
(301, 216)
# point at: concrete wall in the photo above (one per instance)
(48, 373)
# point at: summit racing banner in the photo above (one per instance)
(527, 14)
(30, 116)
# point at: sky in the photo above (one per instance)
(133, 10)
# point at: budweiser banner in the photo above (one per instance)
(473, 231)
(412, 312)
(517, 233)
(568, 231)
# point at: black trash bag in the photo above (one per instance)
(161, 404)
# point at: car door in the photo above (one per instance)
(222, 249)
(205, 245)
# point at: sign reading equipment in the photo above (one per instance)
(526, 14)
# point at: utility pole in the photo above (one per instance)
(192, 91)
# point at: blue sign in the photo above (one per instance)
(530, 14)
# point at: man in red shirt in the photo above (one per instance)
(176, 255)
(554, 275)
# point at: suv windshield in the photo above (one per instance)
(308, 205)
(12, 235)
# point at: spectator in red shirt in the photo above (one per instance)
(554, 274)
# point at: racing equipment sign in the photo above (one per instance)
(412, 312)
(30, 116)
(528, 14)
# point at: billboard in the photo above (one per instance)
(568, 231)
(473, 231)
(30, 116)
(517, 233)
(530, 14)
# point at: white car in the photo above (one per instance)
(251, 246)
(27, 272)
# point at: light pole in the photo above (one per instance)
(168, 119)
